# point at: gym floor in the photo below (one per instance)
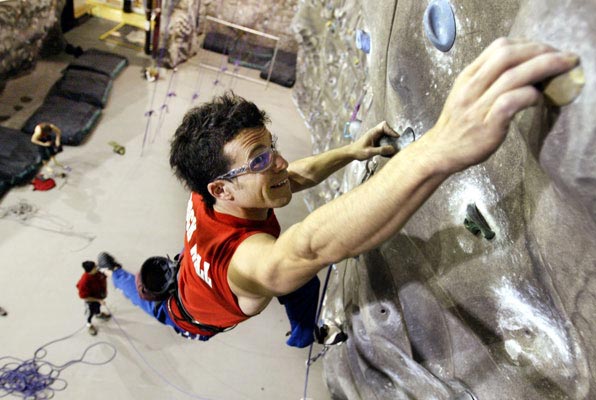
(133, 207)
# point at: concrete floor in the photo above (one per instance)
(133, 207)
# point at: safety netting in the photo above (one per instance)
(103, 62)
(19, 159)
(75, 119)
(83, 85)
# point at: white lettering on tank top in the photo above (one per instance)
(191, 226)
(191, 220)
(203, 271)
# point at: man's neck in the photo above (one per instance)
(257, 214)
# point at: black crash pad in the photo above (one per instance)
(19, 158)
(83, 85)
(103, 62)
(74, 118)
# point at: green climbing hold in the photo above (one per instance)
(475, 222)
(118, 148)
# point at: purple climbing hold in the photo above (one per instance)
(363, 41)
(439, 24)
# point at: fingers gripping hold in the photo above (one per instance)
(488, 93)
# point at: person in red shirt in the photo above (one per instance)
(93, 289)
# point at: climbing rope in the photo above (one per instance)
(148, 364)
(160, 53)
(311, 360)
(26, 213)
(38, 379)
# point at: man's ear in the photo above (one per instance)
(219, 190)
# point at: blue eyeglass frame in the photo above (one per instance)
(245, 169)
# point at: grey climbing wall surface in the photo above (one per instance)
(438, 312)
(24, 29)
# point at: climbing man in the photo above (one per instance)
(235, 259)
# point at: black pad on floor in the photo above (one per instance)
(75, 119)
(284, 69)
(218, 42)
(104, 62)
(19, 158)
(83, 85)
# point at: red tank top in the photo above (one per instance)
(209, 243)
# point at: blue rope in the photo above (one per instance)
(308, 361)
(39, 379)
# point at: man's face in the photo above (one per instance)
(261, 190)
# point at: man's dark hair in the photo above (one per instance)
(88, 266)
(196, 153)
(46, 128)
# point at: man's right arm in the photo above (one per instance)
(473, 124)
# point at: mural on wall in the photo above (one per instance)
(489, 292)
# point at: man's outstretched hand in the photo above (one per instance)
(485, 97)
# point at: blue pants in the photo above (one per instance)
(301, 309)
(300, 305)
(125, 281)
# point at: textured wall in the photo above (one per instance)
(25, 26)
(437, 312)
(185, 23)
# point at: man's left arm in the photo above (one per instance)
(310, 171)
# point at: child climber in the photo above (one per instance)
(93, 289)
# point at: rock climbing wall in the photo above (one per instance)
(183, 20)
(25, 28)
(489, 292)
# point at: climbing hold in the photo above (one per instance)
(351, 128)
(563, 89)
(475, 222)
(362, 41)
(118, 149)
(439, 24)
(398, 143)
(329, 333)
(331, 26)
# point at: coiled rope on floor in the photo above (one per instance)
(39, 379)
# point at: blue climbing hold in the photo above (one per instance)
(351, 128)
(362, 41)
(439, 24)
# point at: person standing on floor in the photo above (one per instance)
(93, 290)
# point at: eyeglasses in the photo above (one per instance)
(259, 163)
